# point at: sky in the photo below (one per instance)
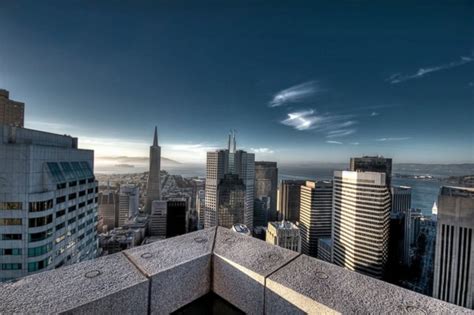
(300, 81)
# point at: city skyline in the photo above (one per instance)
(292, 88)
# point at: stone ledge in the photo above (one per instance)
(311, 286)
(179, 269)
(107, 285)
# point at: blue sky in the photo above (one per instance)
(306, 82)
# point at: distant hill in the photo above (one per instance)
(440, 170)
(134, 160)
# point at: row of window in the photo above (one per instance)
(10, 221)
(10, 251)
(11, 266)
(36, 222)
(38, 265)
(11, 205)
(40, 205)
(11, 237)
(40, 250)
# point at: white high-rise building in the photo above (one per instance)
(128, 202)
(361, 221)
(48, 202)
(315, 214)
(284, 234)
(230, 161)
(454, 253)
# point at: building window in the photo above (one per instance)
(82, 193)
(61, 199)
(41, 205)
(38, 265)
(35, 222)
(11, 251)
(82, 205)
(72, 184)
(81, 216)
(72, 196)
(12, 221)
(11, 205)
(90, 190)
(71, 209)
(11, 237)
(61, 186)
(60, 213)
(82, 182)
(91, 180)
(71, 221)
(60, 226)
(11, 266)
(41, 250)
(35, 237)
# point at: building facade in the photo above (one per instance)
(176, 216)
(153, 191)
(12, 113)
(128, 202)
(231, 201)
(266, 186)
(315, 215)
(48, 202)
(361, 221)
(454, 253)
(108, 202)
(284, 234)
(158, 218)
(288, 205)
(201, 207)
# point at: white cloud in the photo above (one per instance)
(397, 78)
(334, 142)
(262, 150)
(393, 139)
(355, 143)
(374, 114)
(332, 125)
(295, 94)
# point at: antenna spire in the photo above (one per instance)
(155, 138)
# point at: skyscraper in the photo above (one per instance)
(128, 202)
(176, 216)
(288, 205)
(454, 254)
(12, 113)
(266, 186)
(315, 214)
(107, 208)
(48, 202)
(158, 218)
(361, 218)
(154, 182)
(201, 207)
(401, 198)
(221, 163)
(377, 164)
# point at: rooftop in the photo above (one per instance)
(252, 275)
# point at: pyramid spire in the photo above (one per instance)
(155, 138)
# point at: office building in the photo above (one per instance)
(158, 218)
(48, 202)
(361, 218)
(176, 216)
(377, 164)
(12, 113)
(153, 191)
(128, 202)
(401, 198)
(315, 214)
(201, 207)
(284, 234)
(240, 168)
(288, 205)
(454, 253)
(266, 186)
(108, 203)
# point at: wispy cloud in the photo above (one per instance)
(295, 94)
(373, 114)
(355, 143)
(393, 139)
(398, 77)
(334, 142)
(262, 150)
(332, 125)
